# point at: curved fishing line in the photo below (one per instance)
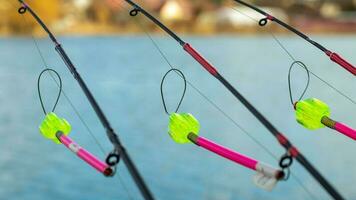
(290, 83)
(290, 55)
(62, 91)
(39, 89)
(184, 90)
(311, 195)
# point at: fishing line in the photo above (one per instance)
(299, 182)
(289, 81)
(184, 90)
(39, 89)
(76, 111)
(294, 60)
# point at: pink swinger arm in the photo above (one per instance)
(340, 127)
(85, 155)
(236, 157)
(227, 153)
(344, 129)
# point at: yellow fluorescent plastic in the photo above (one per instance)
(180, 125)
(310, 112)
(52, 124)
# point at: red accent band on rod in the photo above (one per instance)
(282, 139)
(342, 62)
(270, 17)
(188, 48)
(293, 152)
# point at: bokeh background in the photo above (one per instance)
(92, 17)
(118, 57)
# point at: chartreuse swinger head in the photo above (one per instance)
(314, 114)
(181, 125)
(310, 113)
(52, 124)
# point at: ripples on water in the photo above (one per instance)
(124, 74)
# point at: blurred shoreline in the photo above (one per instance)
(97, 29)
(110, 17)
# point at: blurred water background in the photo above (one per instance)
(124, 74)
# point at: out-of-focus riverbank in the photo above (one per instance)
(110, 17)
(308, 26)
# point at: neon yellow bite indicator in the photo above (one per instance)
(180, 125)
(51, 124)
(310, 112)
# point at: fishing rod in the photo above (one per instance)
(119, 151)
(332, 55)
(290, 148)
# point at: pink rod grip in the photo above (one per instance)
(85, 155)
(227, 153)
(342, 128)
(342, 62)
(188, 48)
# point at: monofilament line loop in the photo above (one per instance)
(301, 64)
(39, 89)
(180, 73)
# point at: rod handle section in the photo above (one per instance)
(342, 62)
(84, 155)
(195, 54)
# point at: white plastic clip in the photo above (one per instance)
(265, 182)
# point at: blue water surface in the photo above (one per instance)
(124, 74)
